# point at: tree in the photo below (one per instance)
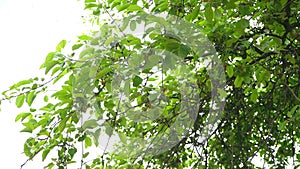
(139, 86)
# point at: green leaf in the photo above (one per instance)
(20, 100)
(27, 129)
(103, 72)
(55, 70)
(30, 97)
(292, 111)
(194, 14)
(49, 166)
(60, 76)
(84, 37)
(46, 98)
(127, 88)
(291, 59)
(89, 1)
(162, 6)
(123, 138)
(72, 152)
(87, 51)
(222, 93)
(61, 45)
(90, 124)
(122, 7)
(62, 124)
(108, 130)
(49, 65)
(21, 83)
(184, 50)
(76, 46)
(87, 142)
(50, 57)
(27, 149)
(238, 81)
(132, 25)
(209, 13)
(109, 104)
(96, 12)
(282, 125)
(22, 116)
(229, 70)
(171, 44)
(254, 96)
(134, 7)
(169, 63)
(137, 81)
(90, 5)
(109, 41)
(45, 153)
(85, 154)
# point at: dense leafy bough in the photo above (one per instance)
(258, 45)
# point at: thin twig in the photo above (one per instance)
(25, 92)
(296, 97)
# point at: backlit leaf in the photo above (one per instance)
(45, 153)
(61, 45)
(20, 100)
(30, 97)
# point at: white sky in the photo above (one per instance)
(29, 30)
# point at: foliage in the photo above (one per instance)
(258, 44)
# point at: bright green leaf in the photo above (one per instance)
(76, 46)
(192, 16)
(21, 83)
(46, 98)
(87, 142)
(122, 7)
(229, 70)
(84, 37)
(238, 81)
(30, 97)
(22, 116)
(49, 65)
(45, 153)
(134, 7)
(27, 129)
(61, 45)
(62, 124)
(20, 100)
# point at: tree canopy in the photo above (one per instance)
(178, 84)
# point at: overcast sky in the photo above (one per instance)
(29, 30)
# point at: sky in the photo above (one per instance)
(29, 30)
